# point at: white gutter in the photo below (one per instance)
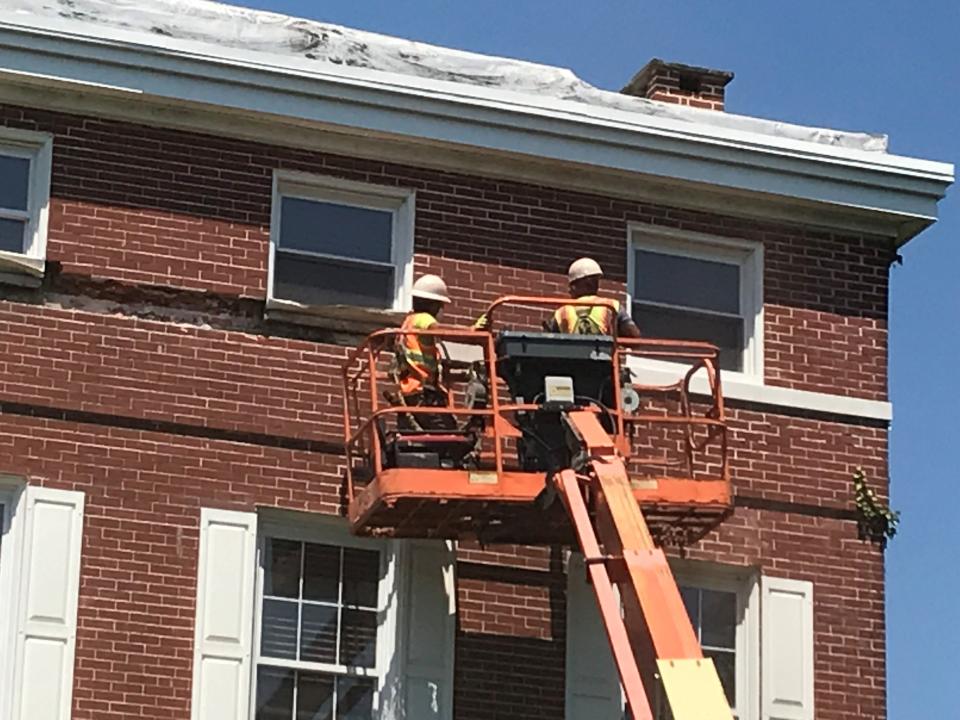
(903, 190)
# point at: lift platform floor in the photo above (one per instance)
(474, 505)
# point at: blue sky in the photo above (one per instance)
(883, 66)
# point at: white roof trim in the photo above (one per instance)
(903, 190)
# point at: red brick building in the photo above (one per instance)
(171, 473)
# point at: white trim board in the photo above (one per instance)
(903, 191)
(738, 388)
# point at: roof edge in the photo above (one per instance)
(484, 118)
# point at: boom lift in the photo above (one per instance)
(549, 425)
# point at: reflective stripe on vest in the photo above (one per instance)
(587, 319)
(417, 355)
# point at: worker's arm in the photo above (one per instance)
(626, 327)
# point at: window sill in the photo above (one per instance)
(343, 318)
(18, 269)
(748, 388)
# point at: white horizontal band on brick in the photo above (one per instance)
(902, 191)
(736, 387)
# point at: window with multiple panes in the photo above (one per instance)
(24, 191)
(340, 244)
(714, 616)
(723, 605)
(699, 289)
(318, 627)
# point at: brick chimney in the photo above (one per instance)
(682, 84)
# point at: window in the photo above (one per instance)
(713, 614)
(722, 603)
(296, 618)
(339, 243)
(24, 197)
(319, 613)
(686, 286)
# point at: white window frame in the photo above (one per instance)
(335, 531)
(11, 526)
(38, 148)
(746, 254)
(744, 582)
(400, 202)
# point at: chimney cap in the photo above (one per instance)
(640, 82)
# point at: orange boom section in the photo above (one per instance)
(558, 439)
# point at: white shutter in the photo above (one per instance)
(593, 685)
(224, 622)
(431, 626)
(787, 649)
(47, 615)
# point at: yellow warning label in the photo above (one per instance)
(482, 477)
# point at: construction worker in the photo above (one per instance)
(418, 357)
(584, 278)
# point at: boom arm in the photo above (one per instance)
(652, 638)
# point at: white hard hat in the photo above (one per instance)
(431, 287)
(582, 268)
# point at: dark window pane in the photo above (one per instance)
(315, 281)
(354, 698)
(318, 634)
(719, 619)
(14, 182)
(358, 638)
(314, 696)
(332, 229)
(691, 601)
(278, 629)
(274, 693)
(727, 670)
(689, 282)
(282, 568)
(321, 572)
(361, 574)
(725, 333)
(11, 235)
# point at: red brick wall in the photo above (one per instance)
(145, 207)
(144, 491)
(163, 207)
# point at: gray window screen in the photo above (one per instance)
(686, 298)
(334, 254)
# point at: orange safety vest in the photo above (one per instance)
(588, 319)
(418, 359)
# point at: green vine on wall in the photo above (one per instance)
(875, 519)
